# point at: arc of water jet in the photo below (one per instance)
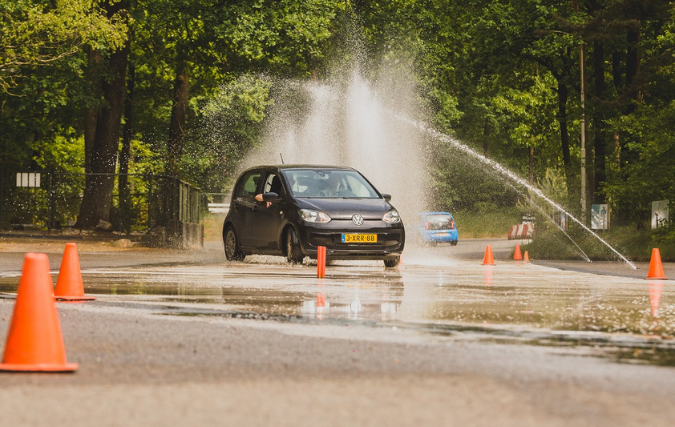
(554, 223)
(563, 230)
(501, 169)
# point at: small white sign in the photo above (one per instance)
(600, 217)
(28, 179)
(659, 213)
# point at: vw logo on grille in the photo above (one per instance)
(357, 219)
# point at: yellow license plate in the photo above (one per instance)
(359, 238)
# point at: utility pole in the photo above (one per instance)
(582, 66)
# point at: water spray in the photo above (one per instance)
(563, 231)
(347, 125)
(540, 209)
(344, 122)
(502, 170)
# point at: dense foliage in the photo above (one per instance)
(184, 86)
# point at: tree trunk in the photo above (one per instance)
(631, 92)
(633, 59)
(563, 93)
(531, 165)
(486, 137)
(600, 175)
(617, 71)
(181, 93)
(97, 198)
(91, 113)
(125, 154)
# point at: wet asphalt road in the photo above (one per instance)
(185, 339)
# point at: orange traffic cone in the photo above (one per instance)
(69, 286)
(34, 341)
(655, 266)
(526, 257)
(517, 255)
(488, 259)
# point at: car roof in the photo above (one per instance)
(297, 166)
(436, 213)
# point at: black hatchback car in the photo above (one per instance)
(291, 210)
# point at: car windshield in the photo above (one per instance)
(330, 184)
(438, 221)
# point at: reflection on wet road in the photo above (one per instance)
(462, 299)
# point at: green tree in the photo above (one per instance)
(38, 33)
(103, 123)
(230, 124)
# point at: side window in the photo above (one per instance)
(248, 185)
(272, 184)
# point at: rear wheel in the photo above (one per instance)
(293, 252)
(454, 243)
(392, 262)
(232, 250)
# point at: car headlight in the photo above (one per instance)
(392, 217)
(313, 216)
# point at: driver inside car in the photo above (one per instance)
(273, 185)
(331, 187)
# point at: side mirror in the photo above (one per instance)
(270, 197)
(387, 197)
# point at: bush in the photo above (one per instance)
(551, 243)
(487, 223)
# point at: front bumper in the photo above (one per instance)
(390, 240)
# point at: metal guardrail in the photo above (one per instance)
(218, 203)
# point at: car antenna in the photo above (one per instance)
(282, 158)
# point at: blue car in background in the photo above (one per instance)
(439, 227)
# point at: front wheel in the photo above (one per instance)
(232, 250)
(294, 253)
(393, 262)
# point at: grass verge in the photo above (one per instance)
(474, 225)
(551, 243)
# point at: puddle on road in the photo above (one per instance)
(633, 320)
